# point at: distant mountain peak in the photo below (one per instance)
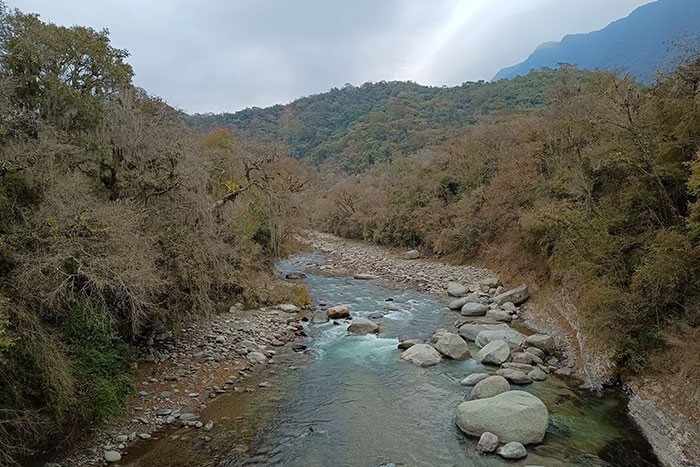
(639, 44)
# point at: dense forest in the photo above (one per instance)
(353, 128)
(115, 221)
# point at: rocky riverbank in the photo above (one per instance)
(179, 375)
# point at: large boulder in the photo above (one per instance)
(537, 375)
(338, 312)
(458, 303)
(514, 376)
(512, 416)
(451, 345)
(524, 367)
(516, 296)
(408, 343)
(489, 387)
(473, 379)
(422, 355)
(457, 290)
(474, 309)
(469, 331)
(543, 342)
(489, 283)
(513, 337)
(495, 353)
(363, 326)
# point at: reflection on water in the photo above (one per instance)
(357, 404)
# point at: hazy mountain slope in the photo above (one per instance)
(639, 44)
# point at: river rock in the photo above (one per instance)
(338, 312)
(112, 456)
(452, 346)
(511, 415)
(487, 443)
(499, 315)
(514, 376)
(363, 326)
(524, 367)
(257, 357)
(469, 331)
(513, 337)
(456, 290)
(422, 355)
(516, 296)
(539, 353)
(489, 387)
(295, 275)
(537, 375)
(474, 309)
(512, 451)
(526, 358)
(365, 277)
(411, 254)
(288, 308)
(474, 378)
(495, 353)
(408, 343)
(460, 302)
(489, 283)
(543, 342)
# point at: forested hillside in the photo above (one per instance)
(596, 194)
(115, 221)
(355, 127)
(653, 38)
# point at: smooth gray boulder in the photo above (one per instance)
(363, 326)
(112, 456)
(512, 451)
(487, 443)
(489, 283)
(494, 353)
(473, 379)
(514, 376)
(537, 375)
(451, 345)
(489, 387)
(470, 331)
(512, 416)
(525, 357)
(456, 290)
(474, 309)
(458, 303)
(408, 343)
(338, 312)
(499, 315)
(422, 355)
(513, 337)
(539, 353)
(516, 296)
(543, 342)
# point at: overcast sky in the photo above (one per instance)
(225, 55)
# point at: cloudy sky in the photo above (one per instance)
(225, 55)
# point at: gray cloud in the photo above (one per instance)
(226, 55)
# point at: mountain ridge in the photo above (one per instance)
(639, 44)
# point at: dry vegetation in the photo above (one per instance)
(596, 194)
(115, 220)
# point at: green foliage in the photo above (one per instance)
(101, 364)
(356, 127)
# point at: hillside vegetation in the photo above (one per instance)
(115, 220)
(352, 128)
(597, 193)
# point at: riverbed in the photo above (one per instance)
(349, 400)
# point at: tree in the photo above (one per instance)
(63, 74)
